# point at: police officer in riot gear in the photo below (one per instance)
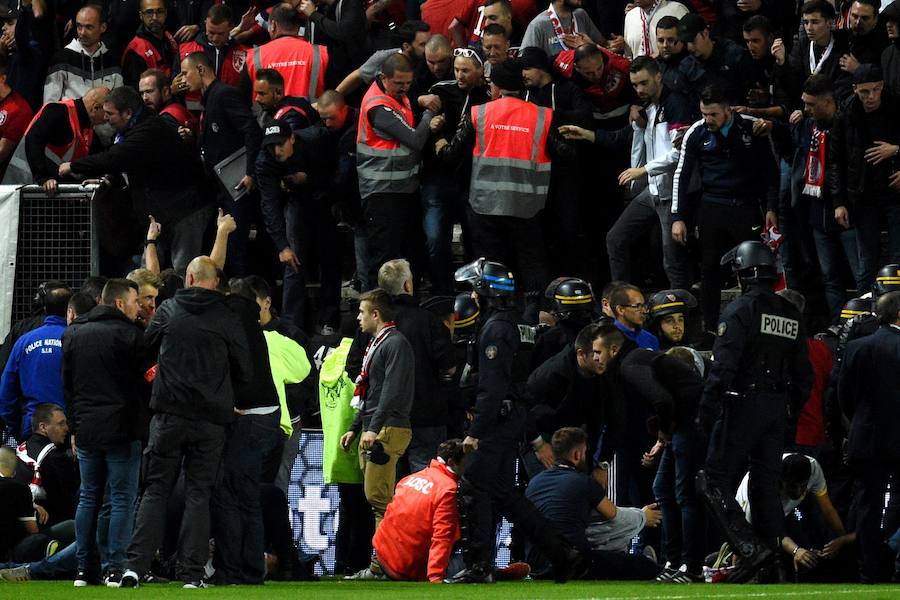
(501, 365)
(572, 305)
(760, 374)
(668, 310)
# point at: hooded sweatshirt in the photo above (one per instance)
(203, 356)
(73, 71)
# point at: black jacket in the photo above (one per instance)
(203, 356)
(228, 125)
(564, 397)
(795, 70)
(672, 387)
(59, 478)
(165, 177)
(260, 390)
(104, 359)
(341, 27)
(729, 65)
(869, 393)
(848, 141)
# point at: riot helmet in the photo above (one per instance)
(488, 278)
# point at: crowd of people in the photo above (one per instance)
(428, 168)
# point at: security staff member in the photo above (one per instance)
(488, 490)
(388, 149)
(504, 202)
(271, 103)
(60, 132)
(739, 177)
(152, 47)
(759, 373)
(301, 64)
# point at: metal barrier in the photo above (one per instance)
(56, 240)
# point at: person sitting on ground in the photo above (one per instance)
(578, 506)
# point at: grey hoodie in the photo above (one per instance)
(73, 72)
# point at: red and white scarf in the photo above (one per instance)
(814, 174)
(646, 17)
(561, 33)
(362, 381)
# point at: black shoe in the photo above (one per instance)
(575, 566)
(85, 578)
(473, 575)
(151, 577)
(746, 568)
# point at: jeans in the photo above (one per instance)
(236, 514)
(422, 449)
(117, 467)
(440, 195)
(288, 457)
(832, 249)
(62, 565)
(632, 227)
(870, 220)
(177, 443)
(677, 498)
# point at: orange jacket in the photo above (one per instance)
(416, 537)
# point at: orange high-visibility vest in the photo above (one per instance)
(302, 65)
(384, 165)
(510, 165)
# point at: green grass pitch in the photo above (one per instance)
(524, 590)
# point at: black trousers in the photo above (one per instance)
(393, 229)
(722, 228)
(517, 243)
(313, 236)
(873, 477)
(750, 434)
(488, 492)
(353, 540)
(237, 516)
(198, 445)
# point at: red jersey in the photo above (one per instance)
(15, 116)
(421, 524)
(439, 14)
(811, 420)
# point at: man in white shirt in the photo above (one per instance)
(802, 476)
(641, 22)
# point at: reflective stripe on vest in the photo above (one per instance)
(510, 166)
(18, 171)
(150, 55)
(384, 165)
(314, 63)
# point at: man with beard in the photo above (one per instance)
(867, 39)
(152, 46)
(410, 39)
(654, 156)
(443, 197)
(156, 92)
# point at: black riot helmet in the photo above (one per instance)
(751, 261)
(570, 297)
(488, 278)
(857, 306)
(465, 316)
(887, 280)
(671, 302)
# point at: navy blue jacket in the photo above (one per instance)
(33, 376)
(739, 169)
(869, 393)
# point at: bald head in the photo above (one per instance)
(438, 43)
(96, 95)
(7, 462)
(202, 273)
(331, 98)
